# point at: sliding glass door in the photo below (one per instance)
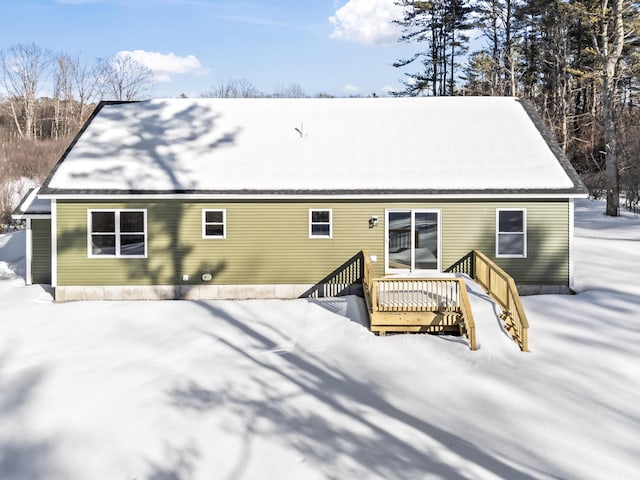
(413, 240)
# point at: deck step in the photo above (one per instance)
(428, 322)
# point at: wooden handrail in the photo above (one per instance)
(502, 288)
(368, 276)
(391, 295)
(411, 294)
(467, 315)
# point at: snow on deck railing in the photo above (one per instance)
(502, 288)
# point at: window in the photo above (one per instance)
(511, 237)
(213, 223)
(413, 240)
(117, 233)
(320, 224)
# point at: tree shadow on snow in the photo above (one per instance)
(22, 457)
(180, 464)
(346, 431)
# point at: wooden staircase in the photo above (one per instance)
(410, 304)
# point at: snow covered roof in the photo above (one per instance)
(298, 146)
(32, 206)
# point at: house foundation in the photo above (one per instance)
(203, 292)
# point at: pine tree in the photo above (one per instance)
(439, 25)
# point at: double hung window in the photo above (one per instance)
(117, 233)
(214, 223)
(320, 223)
(511, 233)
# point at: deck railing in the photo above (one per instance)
(417, 294)
(405, 295)
(406, 302)
(502, 288)
(467, 315)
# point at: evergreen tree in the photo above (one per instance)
(440, 26)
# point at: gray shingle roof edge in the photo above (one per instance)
(576, 191)
(578, 186)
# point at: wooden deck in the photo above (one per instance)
(409, 304)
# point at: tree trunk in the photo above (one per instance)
(610, 57)
(611, 151)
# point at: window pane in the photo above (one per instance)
(426, 240)
(214, 230)
(511, 244)
(320, 216)
(103, 244)
(320, 230)
(132, 245)
(132, 222)
(213, 217)
(103, 222)
(399, 239)
(511, 221)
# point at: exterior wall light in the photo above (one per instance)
(373, 221)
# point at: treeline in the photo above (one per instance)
(46, 99)
(578, 61)
(24, 162)
(49, 95)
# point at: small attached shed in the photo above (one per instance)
(36, 212)
(242, 198)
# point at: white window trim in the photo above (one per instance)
(54, 242)
(571, 235)
(224, 224)
(28, 253)
(311, 210)
(117, 233)
(524, 233)
(390, 271)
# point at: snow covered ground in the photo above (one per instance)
(301, 390)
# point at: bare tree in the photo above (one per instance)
(293, 90)
(124, 78)
(86, 83)
(233, 88)
(76, 85)
(63, 101)
(24, 68)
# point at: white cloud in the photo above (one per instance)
(349, 88)
(164, 65)
(367, 21)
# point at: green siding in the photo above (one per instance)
(473, 226)
(267, 242)
(41, 251)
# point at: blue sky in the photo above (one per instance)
(339, 47)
